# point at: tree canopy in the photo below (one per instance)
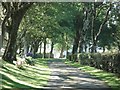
(80, 27)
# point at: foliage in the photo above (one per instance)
(106, 61)
(57, 21)
(49, 20)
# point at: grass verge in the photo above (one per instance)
(109, 78)
(28, 77)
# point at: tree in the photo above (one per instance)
(14, 12)
(42, 25)
(96, 12)
(114, 23)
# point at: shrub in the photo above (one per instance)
(105, 61)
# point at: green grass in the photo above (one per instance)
(28, 77)
(109, 78)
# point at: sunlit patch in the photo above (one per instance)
(30, 77)
(66, 87)
(55, 77)
(109, 78)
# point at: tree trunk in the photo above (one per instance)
(25, 47)
(78, 26)
(0, 42)
(67, 53)
(80, 47)
(95, 46)
(30, 48)
(75, 45)
(85, 48)
(92, 28)
(10, 51)
(40, 48)
(51, 51)
(103, 49)
(61, 53)
(119, 48)
(44, 52)
(35, 47)
(0, 45)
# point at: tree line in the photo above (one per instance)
(82, 27)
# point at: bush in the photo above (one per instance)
(106, 61)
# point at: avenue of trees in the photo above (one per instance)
(80, 27)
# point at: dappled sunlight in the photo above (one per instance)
(65, 76)
(35, 68)
(96, 70)
(62, 76)
(79, 36)
(29, 77)
(109, 78)
(67, 87)
(16, 80)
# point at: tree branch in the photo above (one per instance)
(99, 11)
(103, 23)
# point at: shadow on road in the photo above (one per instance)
(67, 77)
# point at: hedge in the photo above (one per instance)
(106, 61)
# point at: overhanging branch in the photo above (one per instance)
(103, 23)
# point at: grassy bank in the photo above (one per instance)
(109, 78)
(28, 77)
